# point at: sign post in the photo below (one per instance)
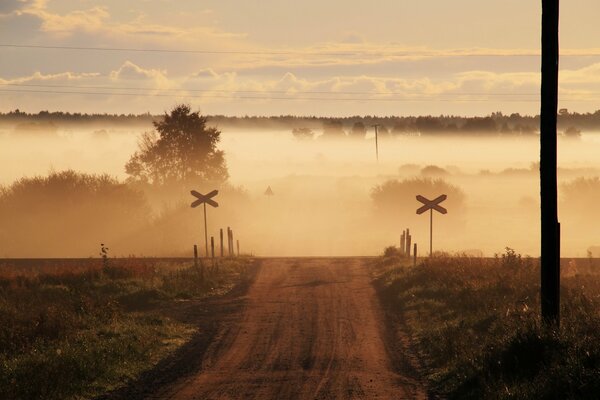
(205, 199)
(430, 205)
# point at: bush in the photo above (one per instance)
(83, 208)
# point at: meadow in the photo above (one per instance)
(79, 328)
(474, 325)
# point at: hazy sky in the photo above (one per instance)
(304, 57)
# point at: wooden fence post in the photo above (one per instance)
(403, 243)
(228, 241)
(195, 256)
(212, 251)
(221, 237)
(415, 255)
(238, 247)
(408, 240)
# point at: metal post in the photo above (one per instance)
(550, 244)
(205, 231)
(430, 232)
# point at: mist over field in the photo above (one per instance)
(323, 202)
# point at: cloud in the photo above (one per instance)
(50, 78)
(221, 91)
(132, 72)
(90, 20)
(9, 6)
(98, 23)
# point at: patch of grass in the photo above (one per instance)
(475, 324)
(69, 333)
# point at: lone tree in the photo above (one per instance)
(181, 149)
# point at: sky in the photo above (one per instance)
(273, 57)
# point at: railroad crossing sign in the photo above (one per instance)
(205, 199)
(431, 205)
(269, 191)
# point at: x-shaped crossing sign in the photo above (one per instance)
(432, 204)
(204, 198)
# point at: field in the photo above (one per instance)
(473, 325)
(79, 328)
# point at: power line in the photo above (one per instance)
(287, 53)
(265, 91)
(140, 50)
(356, 99)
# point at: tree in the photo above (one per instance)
(333, 129)
(181, 149)
(303, 133)
(573, 133)
(358, 130)
(69, 213)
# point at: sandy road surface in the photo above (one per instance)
(311, 329)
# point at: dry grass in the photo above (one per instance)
(475, 325)
(75, 331)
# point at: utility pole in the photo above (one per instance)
(550, 245)
(376, 126)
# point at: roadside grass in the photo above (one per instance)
(475, 325)
(72, 333)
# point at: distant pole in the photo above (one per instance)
(232, 250)
(238, 247)
(195, 256)
(212, 249)
(550, 227)
(431, 232)
(221, 238)
(205, 231)
(408, 240)
(376, 126)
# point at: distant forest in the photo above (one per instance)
(569, 123)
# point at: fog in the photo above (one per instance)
(322, 203)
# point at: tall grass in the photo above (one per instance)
(475, 325)
(73, 333)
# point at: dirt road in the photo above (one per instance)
(311, 329)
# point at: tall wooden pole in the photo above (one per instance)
(550, 245)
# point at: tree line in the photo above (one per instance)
(569, 123)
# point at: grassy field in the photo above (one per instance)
(78, 329)
(474, 325)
